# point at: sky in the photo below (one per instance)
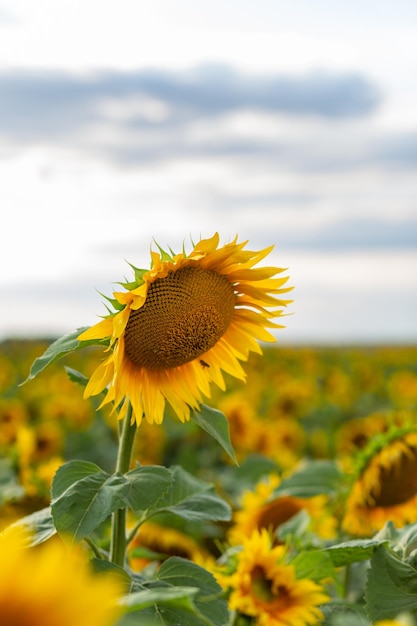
(291, 124)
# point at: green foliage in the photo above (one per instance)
(313, 564)
(319, 391)
(181, 592)
(84, 496)
(312, 479)
(39, 525)
(61, 347)
(392, 586)
(215, 423)
(353, 551)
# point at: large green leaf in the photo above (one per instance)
(84, 496)
(59, 348)
(102, 566)
(149, 487)
(343, 613)
(313, 564)
(352, 551)
(312, 479)
(40, 526)
(175, 597)
(391, 587)
(215, 423)
(193, 499)
(180, 594)
(209, 599)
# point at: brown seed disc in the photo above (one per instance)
(398, 483)
(184, 315)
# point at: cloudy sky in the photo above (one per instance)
(287, 123)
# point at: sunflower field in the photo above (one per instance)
(323, 491)
(133, 492)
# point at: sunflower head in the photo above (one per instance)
(178, 326)
(385, 483)
(262, 585)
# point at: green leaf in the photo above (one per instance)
(84, 496)
(193, 499)
(343, 614)
(353, 551)
(391, 587)
(175, 597)
(216, 424)
(209, 599)
(10, 488)
(59, 348)
(70, 473)
(40, 526)
(148, 487)
(312, 479)
(314, 564)
(102, 566)
(76, 377)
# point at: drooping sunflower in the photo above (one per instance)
(385, 484)
(265, 587)
(52, 586)
(179, 325)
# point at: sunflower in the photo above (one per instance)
(178, 326)
(265, 587)
(51, 586)
(385, 484)
(260, 509)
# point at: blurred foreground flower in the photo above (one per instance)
(179, 325)
(51, 586)
(385, 487)
(263, 586)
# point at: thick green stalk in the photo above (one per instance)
(118, 530)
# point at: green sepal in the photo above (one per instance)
(117, 306)
(130, 285)
(62, 347)
(164, 255)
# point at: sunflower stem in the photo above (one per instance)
(118, 529)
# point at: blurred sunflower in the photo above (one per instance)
(260, 509)
(265, 587)
(385, 484)
(177, 326)
(13, 413)
(51, 586)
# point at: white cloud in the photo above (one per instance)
(85, 188)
